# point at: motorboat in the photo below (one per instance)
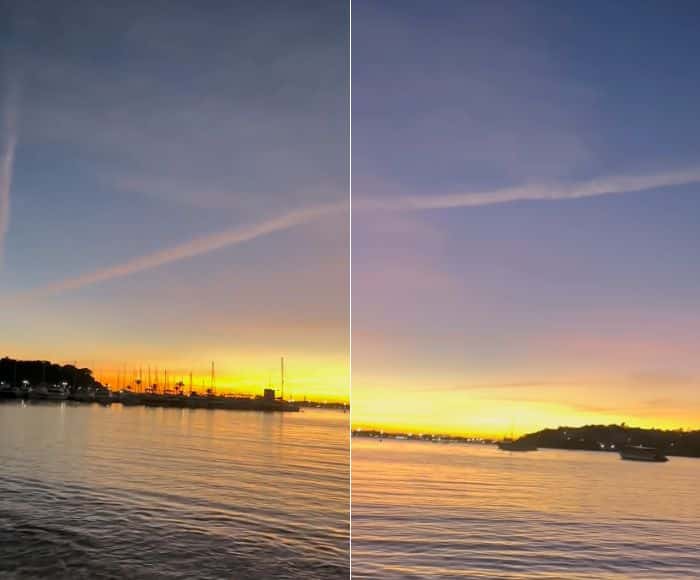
(642, 453)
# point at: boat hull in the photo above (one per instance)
(647, 454)
(516, 446)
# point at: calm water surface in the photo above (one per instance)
(426, 510)
(133, 492)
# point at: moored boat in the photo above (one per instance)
(40, 391)
(56, 393)
(46, 392)
(642, 453)
(82, 395)
(517, 445)
(8, 391)
(103, 396)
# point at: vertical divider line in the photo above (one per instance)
(350, 280)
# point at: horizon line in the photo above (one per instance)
(417, 432)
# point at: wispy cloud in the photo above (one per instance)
(8, 143)
(195, 247)
(597, 187)
(502, 386)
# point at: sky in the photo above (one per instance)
(174, 189)
(526, 196)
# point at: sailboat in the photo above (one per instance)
(517, 445)
(511, 444)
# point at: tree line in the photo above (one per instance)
(36, 371)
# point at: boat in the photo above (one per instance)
(44, 391)
(41, 391)
(513, 444)
(103, 396)
(128, 397)
(83, 395)
(56, 393)
(642, 453)
(8, 391)
(517, 445)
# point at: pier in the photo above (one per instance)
(103, 396)
(267, 402)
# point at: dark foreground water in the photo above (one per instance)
(134, 492)
(425, 510)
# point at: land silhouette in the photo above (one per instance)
(673, 442)
(677, 442)
(14, 372)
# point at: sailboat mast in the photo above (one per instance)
(213, 388)
(282, 374)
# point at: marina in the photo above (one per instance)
(153, 395)
(193, 400)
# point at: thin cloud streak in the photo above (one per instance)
(597, 187)
(206, 244)
(504, 386)
(189, 249)
(7, 161)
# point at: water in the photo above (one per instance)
(133, 492)
(426, 510)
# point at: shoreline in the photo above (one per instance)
(179, 401)
(595, 438)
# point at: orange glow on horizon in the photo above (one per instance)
(316, 379)
(500, 412)
(505, 431)
(250, 383)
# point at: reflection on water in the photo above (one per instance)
(425, 510)
(136, 492)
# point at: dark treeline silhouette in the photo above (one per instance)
(587, 438)
(36, 371)
(611, 437)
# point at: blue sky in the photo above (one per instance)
(143, 126)
(147, 129)
(459, 104)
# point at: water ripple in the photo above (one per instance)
(422, 510)
(92, 492)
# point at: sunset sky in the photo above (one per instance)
(174, 189)
(526, 200)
